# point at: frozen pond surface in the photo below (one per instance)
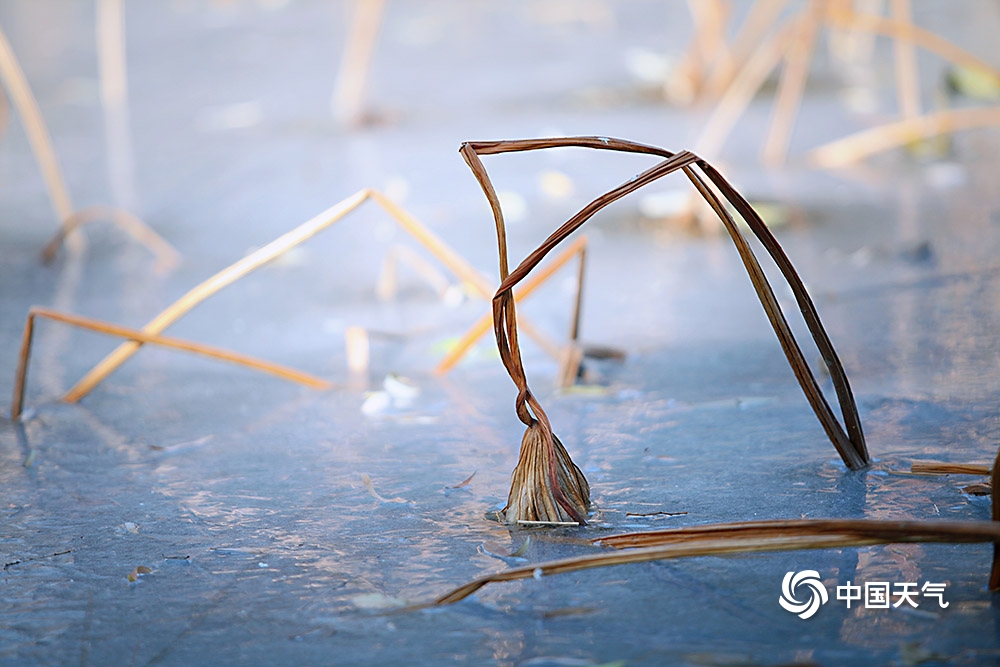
(246, 495)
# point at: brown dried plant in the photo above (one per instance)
(135, 338)
(547, 486)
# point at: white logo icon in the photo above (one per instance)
(817, 593)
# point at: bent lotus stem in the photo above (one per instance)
(542, 470)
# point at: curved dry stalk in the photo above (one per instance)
(20, 381)
(547, 480)
(754, 537)
(167, 256)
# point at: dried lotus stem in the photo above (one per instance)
(20, 380)
(752, 537)
(545, 474)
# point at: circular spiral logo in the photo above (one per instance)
(817, 593)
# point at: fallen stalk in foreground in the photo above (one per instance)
(753, 537)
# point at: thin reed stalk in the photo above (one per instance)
(20, 380)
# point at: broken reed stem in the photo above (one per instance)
(707, 48)
(279, 246)
(938, 468)
(843, 152)
(167, 255)
(348, 99)
(848, 439)
(38, 135)
(209, 287)
(798, 57)
(20, 381)
(111, 63)
(482, 325)
(754, 537)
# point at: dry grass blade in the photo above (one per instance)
(546, 484)
(20, 380)
(728, 539)
(937, 468)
